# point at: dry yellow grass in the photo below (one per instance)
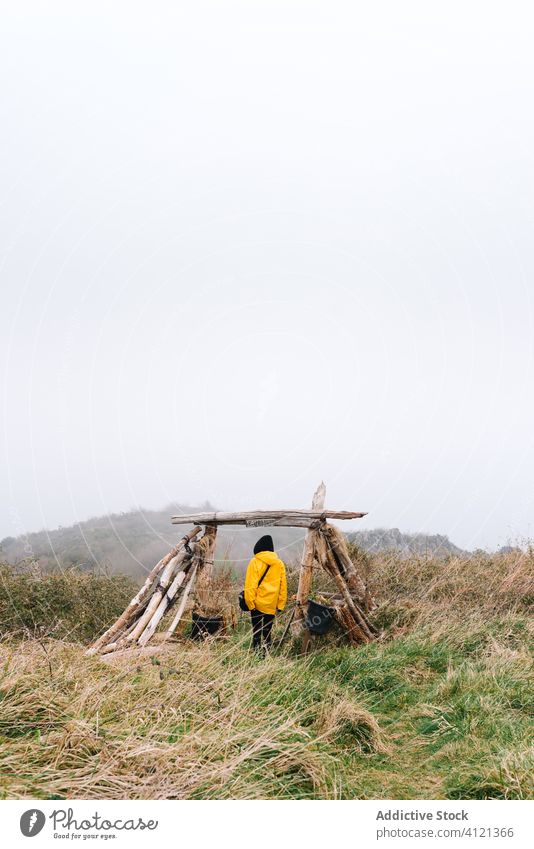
(141, 729)
(440, 707)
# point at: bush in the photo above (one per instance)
(67, 604)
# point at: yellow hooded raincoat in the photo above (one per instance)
(271, 595)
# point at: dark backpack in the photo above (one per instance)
(241, 599)
(319, 618)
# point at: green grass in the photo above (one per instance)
(440, 707)
(416, 717)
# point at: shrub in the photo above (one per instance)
(67, 604)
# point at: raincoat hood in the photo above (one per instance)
(267, 557)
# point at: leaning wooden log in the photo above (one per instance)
(109, 648)
(183, 601)
(349, 628)
(164, 604)
(306, 568)
(362, 626)
(175, 565)
(202, 561)
(260, 518)
(138, 600)
(337, 544)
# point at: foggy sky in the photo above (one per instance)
(249, 246)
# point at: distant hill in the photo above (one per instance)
(121, 542)
(391, 539)
(134, 541)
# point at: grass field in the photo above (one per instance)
(441, 707)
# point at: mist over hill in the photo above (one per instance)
(132, 542)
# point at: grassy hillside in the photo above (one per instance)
(127, 542)
(441, 707)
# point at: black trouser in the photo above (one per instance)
(262, 625)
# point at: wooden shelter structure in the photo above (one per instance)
(184, 576)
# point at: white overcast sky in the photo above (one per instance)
(247, 246)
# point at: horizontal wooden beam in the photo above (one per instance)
(264, 518)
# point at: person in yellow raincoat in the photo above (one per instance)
(265, 591)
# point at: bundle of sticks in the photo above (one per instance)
(327, 547)
(188, 566)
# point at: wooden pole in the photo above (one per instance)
(137, 601)
(203, 565)
(183, 602)
(347, 623)
(206, 551)
(338, 546)
(306, 567)
(165, 580)
(362, 627)
(266, 518)
(165, 603)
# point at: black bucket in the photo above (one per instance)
(205, 626)
(319, 618)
